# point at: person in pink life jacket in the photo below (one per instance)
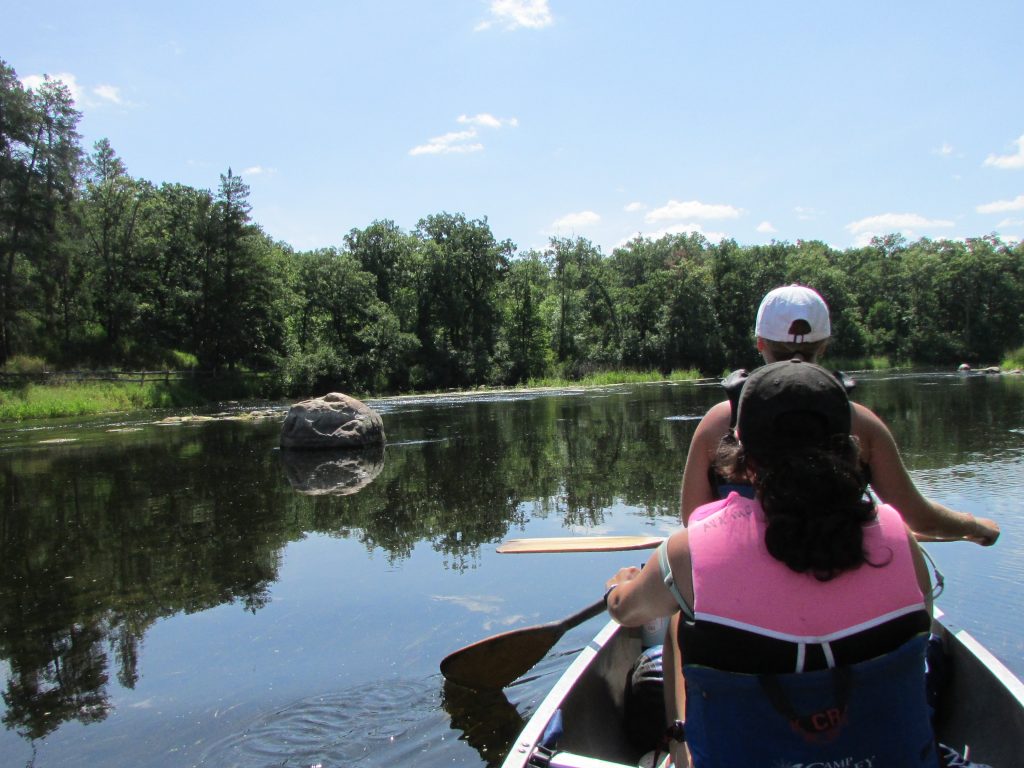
(804, 609)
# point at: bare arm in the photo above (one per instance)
(696, 489)
(924, 577)
(893, 485)
(640, 595)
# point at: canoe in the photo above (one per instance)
(980, 714)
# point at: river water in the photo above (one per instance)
(184, 593)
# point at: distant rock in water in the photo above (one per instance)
(965, 368)
(332, 421)
(338, 472)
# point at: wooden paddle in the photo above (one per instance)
(579, 544)
(561, 544)
(494, 662)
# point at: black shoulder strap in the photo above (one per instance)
(846, 380)
(733, 384)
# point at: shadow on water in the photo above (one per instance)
(487, 720)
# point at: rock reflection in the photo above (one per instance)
(340, 472)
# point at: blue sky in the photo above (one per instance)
(751, 120)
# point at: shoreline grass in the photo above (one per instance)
(876, 363)
(48, 401)
(45, 401)
(1014, 361)
(607, 378)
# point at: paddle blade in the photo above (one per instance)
(579, 544)
(497, 661)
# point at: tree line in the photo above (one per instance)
(99, 268)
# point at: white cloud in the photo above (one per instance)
(456, 142)
(806, 214)
(634, 207)
(674, 229)
(574, 221)
(34, 81)
(461, 142)
(1010, 223)
(894, 222)
(945, 150)
(473, 603)
(766, 227)
(84, 97)
(109, 93)
(513, 14)
(1011, 162)
(1002, 206)
(691, 209)
(257, 170)
(911, 225)
(485, 120)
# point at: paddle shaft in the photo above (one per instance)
(579, 544)
(566, 544)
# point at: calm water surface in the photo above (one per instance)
(186, 594)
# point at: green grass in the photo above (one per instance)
(877, 363)
(606, 378)
(35, 401)
(1014, 360)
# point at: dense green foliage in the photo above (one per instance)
(98, 268)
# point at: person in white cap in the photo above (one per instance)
(793, 321)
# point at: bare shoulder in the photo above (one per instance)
(716, 420)
(870, 431)
(865, 418)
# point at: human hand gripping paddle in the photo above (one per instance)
(496, 661)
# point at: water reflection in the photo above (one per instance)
(98, 544)
(332, 472)
(486, 720)
(103, 537)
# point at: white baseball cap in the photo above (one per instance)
(793, 313)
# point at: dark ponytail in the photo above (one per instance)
(815, 504)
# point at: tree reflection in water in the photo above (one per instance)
(102, 538)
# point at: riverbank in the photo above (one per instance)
(45, 401)
(88, 398)
(72, 399)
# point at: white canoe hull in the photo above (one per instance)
(981, 711)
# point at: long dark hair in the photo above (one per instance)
(815, 503)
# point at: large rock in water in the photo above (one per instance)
(332, 421)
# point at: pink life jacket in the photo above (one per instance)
(737, 583)
(872, 712)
